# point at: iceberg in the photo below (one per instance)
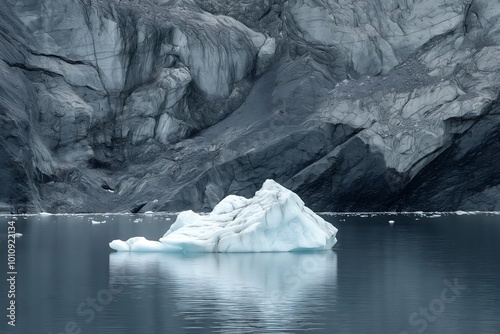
(274, 220)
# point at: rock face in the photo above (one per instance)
(174, 104)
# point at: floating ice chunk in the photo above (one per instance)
(18, 235)
(94, 222)
(461, 213)
(391, 221)
(141, 244)
(274, 220)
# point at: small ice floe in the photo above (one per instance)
(45, 214)
(138, 220)
(461, 213)
(18, 235)
(94, 222)
(148, 212)
(391, 221)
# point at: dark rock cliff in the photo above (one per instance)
(174, 104)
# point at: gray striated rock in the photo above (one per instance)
(126, 105)
(162, 98)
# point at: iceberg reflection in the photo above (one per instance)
(231, 292)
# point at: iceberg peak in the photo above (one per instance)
(274, 220)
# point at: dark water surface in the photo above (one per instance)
(419, 275)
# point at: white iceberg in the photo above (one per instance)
(274, 220)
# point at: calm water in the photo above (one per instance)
(379, 278)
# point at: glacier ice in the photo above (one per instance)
(274, 220)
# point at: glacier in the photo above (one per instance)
(274, 220)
